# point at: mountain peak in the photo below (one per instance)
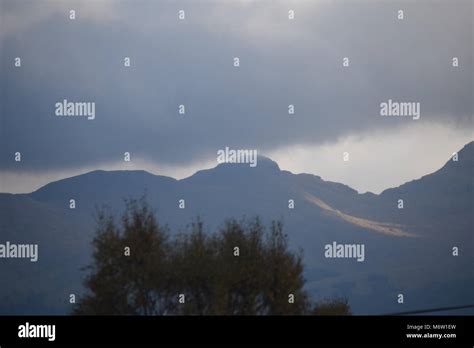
(468, 149)
(262, 163)
(265, 162)
(262, 166)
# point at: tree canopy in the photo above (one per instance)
(244, 268)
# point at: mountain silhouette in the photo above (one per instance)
(408, 250)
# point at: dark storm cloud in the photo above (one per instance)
(190, 62)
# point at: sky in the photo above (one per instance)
(190, 62)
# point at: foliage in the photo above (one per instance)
(243, 269)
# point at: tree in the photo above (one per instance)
(285, 272)
(129, 274)
(242, 269)
(338, 306)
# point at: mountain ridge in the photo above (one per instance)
(438, 212)
(466, 151)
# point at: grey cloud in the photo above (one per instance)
(282, 62)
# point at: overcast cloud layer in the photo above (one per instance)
(190, 62)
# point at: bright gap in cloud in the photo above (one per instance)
(377, 161)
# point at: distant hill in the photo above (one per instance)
(407, 250)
